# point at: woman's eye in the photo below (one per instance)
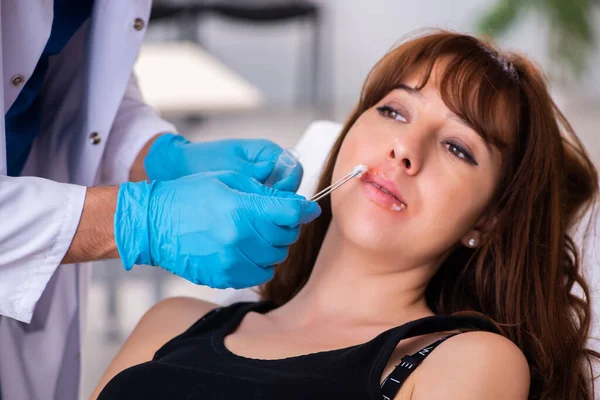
(461, 153)
(389, 112)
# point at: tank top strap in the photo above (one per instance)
(392, 383)
(418, 327)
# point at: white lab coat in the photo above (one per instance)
(89, 88)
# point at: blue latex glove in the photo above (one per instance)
(220, 229)
(173, 156)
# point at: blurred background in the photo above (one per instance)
(268, 68)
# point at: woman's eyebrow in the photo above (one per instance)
(466, 123)
(409, 90)
(417, 94)
(460, 120)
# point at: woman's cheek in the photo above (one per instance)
(450, 213)
(350, 155)
(346, 157)
(357, 149)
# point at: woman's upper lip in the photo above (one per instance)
(385, 183)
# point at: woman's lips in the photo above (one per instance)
(380, 193)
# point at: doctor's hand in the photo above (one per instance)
(220, 229)
(172, 156)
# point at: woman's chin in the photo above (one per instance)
(370, 230)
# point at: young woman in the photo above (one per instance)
(448, 265)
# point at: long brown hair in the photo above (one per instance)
(522, 276)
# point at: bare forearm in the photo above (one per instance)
(95, 238)
(137, 172)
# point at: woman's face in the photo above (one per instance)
(430, 181)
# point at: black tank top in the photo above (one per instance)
(197, 365)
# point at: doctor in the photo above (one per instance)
(74, 120)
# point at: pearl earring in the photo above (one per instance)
(472, 242)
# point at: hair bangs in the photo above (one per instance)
(475, 82)
(484, 96)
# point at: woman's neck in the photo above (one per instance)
(351, 283)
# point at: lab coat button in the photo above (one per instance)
(17, 80)
(139, 24)
(95, 138)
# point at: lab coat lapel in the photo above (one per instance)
(3, 167)
(110, 59)
(20, 48)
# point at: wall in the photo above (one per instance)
(356, 33)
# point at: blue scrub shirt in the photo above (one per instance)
(22, 121)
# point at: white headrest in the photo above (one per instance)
(314, 147)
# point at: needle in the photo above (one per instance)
(357, 171)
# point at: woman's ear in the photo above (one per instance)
(475, 236)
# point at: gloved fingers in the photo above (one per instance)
(158, 163)
(261, 157)
(288, 212)
(238, 181)
(220, 270)
(257, 276)
(278, 226)
(244, 272)
(202, 230)
(256, 157)
(257, 170)
(276, 235)
(281, 208)
(261, 253)
(263, 276)
(247, 185)
(230, 269)
(259, 250)
(260, 150)
(291, 183)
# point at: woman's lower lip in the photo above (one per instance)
(381, 198)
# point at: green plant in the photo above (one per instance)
(571, 26)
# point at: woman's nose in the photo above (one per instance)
(407, 154)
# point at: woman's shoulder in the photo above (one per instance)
(169, 318)
(179, 311)
(474, 365)
(165, 320)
